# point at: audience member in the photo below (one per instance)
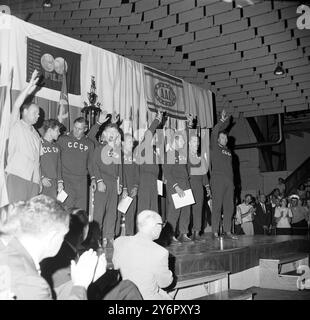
(301, 192)
(283, 216)
(141, 260)
(281, 187)
(23, 163)
(56, 270)
(263, 216)
(42, 224)
(244, 215)
(299, 220)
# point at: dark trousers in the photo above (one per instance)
(130, 218)
(52, 190)
(105, 209)
(223, 197)
(284, 231)
(301, 228)
(76, 188)
(181, 215)
(20, 189)
(196, 209)
(147, 194)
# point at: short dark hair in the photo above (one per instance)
(78, 221)
(51, 124)
(26, 106)
(81, 120)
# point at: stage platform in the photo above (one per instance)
(232, 255)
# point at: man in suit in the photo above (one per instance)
(141, 260)
(263, 216)
(42, 223)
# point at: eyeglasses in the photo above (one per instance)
(162, 224)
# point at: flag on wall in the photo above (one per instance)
(63, 106)
(164, 92)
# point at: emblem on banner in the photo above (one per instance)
(164, 94)
(5, 18)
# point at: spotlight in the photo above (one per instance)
(279, 70)
(47, 4)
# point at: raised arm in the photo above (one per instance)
(221, 125)
(28, 90)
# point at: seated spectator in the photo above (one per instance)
(244, 215)
(283, 216)
(299, 220)
(141, 260)
(56, 270)
(281, 187)
(42, 224)
(263, 216)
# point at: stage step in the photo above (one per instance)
(271, 271)
(230, 294)
(199, 278)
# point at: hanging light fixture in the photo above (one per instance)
(47, 4)
(279, 71)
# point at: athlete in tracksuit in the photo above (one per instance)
(108, 174)
(76, 154)
(148, 193)
(175, 171)
(50, 162)
(130, 183)
(222, 185)
(197, 168)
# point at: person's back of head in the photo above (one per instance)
(149, 223)
(41, 222)
(78, 227)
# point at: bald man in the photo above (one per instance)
(141, 260)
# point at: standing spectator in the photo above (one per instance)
(283, 216)
(281, 187)
(43, 224)
(245, 214)
(301, 192)
(143, 261)
(50, 163)
(76, 160)
(23, 163)
(222, 180)
(263, 216)
(299, 220)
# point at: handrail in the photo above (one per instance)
(264, 144)
(298, 176)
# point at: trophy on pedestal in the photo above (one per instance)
(91, 109)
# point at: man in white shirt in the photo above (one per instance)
(143, 261)
(245, 214)
(23, 164)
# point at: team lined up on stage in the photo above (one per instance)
(116, 164)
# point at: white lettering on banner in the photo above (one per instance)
(303, 22)
(226, 152)
(77, 145)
